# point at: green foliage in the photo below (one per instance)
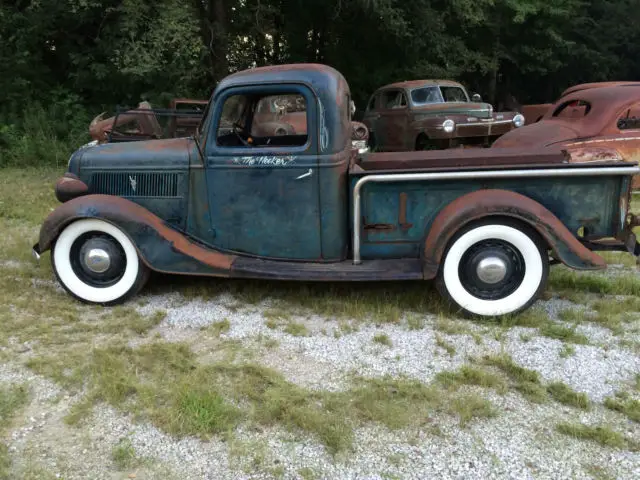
(63, 62)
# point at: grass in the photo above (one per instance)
(415, 321)
(624, 404)
(565, 279)
(124, 455)
(565, 334)
(218, 328)
(601, 435)
(12, 399)
(163, 383)
(525, 381)
(567, 351)
(446, 346)
(383, 339)
(297, 329)
(469, 375)
(564, 394)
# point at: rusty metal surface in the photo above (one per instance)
(69, 187)
(407, 125)
(473, 206)
(457, 158)
(534, 112)
(599, 128)
(162, 248)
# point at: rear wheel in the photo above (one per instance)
(97, 263)
(493, 269)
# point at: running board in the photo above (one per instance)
(346, 271)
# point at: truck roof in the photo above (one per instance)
(422, 83)
(328, 84)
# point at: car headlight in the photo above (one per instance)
(518, 120)
(449, 126)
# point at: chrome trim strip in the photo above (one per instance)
(493, 174)
(480, 124)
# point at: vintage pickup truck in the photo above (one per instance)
(485, 224)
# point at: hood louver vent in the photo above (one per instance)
(132, 184)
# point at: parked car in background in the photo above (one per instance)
(274, 115)
(534, 113)
(433, 115)
(607, 116)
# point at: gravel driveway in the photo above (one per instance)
(520, 440)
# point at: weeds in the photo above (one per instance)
(446, 346)
(602, 435)
(624, 404)
(383, 339)
(564, 394)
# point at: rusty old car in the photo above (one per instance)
(535, 112)
(275, 115)
(607, 116)
(433, 115)
(485, 224)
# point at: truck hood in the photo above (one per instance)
(170, 153)
(471, 109)
(541, 134)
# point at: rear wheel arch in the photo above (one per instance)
(510, 207)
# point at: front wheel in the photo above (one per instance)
(97, 263)
(494, 269)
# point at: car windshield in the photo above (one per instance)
(435, 94)
(426, 95)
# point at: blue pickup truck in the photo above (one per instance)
(234, 201)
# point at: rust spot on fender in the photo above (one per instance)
(121, 210)
(486, 203)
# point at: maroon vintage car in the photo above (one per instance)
(594, 117)
(534, 113)
(434, 115)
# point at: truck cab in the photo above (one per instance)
(240, 199)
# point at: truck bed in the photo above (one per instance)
(486, 159)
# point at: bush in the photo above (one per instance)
(37, 135)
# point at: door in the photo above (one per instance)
(391, 127)
(262, 175)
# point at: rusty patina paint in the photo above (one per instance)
(141, 226)
(598, 128)
(70, 186)
(483, 203)
(408, 125)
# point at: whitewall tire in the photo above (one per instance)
(494, 269)
(97, 263)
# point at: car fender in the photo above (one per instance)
(161, 247)
(501, 203)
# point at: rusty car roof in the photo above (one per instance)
(407, 84)
(606, 103)
(588, 86)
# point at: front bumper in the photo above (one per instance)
(35, 252)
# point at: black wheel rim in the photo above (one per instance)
(492, 269)
(92, 242)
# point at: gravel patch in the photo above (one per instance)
(520, 443)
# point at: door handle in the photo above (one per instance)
(305, 175)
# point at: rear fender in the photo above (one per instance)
(160, 247)
(502, 203)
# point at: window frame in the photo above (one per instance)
(212, 148)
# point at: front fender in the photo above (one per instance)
(160, 247)
(502, 203)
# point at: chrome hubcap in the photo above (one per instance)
(492, 270)
(97, 260)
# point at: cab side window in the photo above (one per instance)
(255, 120)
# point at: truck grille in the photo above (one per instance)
(132, 184)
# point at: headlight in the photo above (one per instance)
(518, 120)
(449, 126)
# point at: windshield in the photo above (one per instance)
(435, 94)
